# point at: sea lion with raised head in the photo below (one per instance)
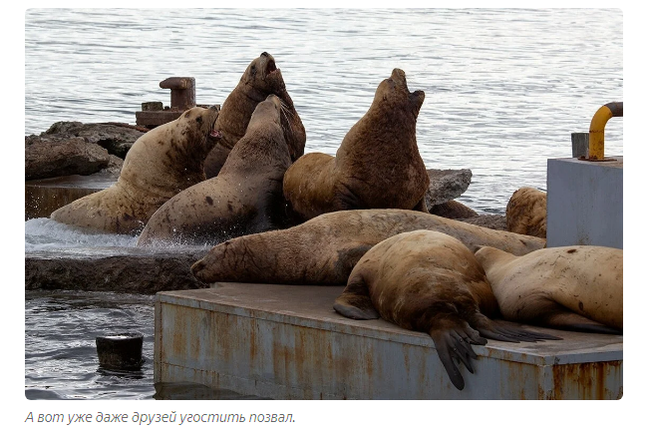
(575, 288)
(246, 196)
(260, 79)
(160, 164)
(378, 164)
(324, 249)
(430, 282)
(526, 212)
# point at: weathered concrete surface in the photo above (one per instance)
(585, 202)
(130, 270)
(287, 342)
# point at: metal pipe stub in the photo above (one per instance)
(183, 91)
(597, 129)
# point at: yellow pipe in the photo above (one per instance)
(597, 128)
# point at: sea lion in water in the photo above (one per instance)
(259, 80)
(246, 196)
(378, 164)
(576, 288)
(526, 212)
(160, 164)
(324, 249)
(429, 282)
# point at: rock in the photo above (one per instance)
(116, 138)
(495, 222)
(52, 157)
(446, 185)
(69, 148)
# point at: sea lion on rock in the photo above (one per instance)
(429, 282)
(576, 288)
(260, 79)
(378, 164)
(246, 196)
(160, 164)
(324, 249)
(526, 212)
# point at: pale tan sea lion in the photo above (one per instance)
(526, 212)
(324, 249)
(160, 164)
(577, 288)
(260, 79)
(246, 196)
(378, 164)
(429, 282)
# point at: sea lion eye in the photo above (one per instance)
(199, 119)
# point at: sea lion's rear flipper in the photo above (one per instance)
(507, 331)
(570, 321)
(421, 206)
(454, 343)
(355, 302)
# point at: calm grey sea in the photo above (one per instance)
(504, 91)
(504, 88)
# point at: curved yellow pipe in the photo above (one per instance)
(597, 128)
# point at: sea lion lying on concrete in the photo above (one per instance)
(324, 249)
(246, 196)
(526, 212)
(160, 164)
(576, 288)
(261, 79)
(378, 164)
(430, 282)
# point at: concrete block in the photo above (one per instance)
(286, 342)
(585, 202)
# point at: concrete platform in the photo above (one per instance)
(286, 342)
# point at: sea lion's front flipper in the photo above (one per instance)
(355, 302)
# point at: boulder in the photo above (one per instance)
(116, 138)
(446, 185)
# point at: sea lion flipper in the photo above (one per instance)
(355, 302)
(508, 331)
(570, 321)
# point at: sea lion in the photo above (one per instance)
(526, 212)
(429, 282)
(260, 79)
(246, 196)
(160, 164)
(324, 249)
(377, 165)
(576, 288)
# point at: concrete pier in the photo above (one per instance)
(286, 342)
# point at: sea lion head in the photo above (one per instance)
(263, 75)
(199, 126)
(394, 90)
(269, 109)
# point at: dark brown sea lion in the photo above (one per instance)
(261, 79)
(526, 212)
(576, 288)
(378, 164)
(324, 249)
(246, 196)
(160, 164)
(429, 282)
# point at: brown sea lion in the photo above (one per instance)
(526, 212)
(160, 164)
(324, 249)
(429, 282)
(378, 164)
(259, 80)
(576, 288)
(246, 196)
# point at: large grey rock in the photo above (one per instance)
(53, 157)
(116, 138)
(446, 185)
(131, 270)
